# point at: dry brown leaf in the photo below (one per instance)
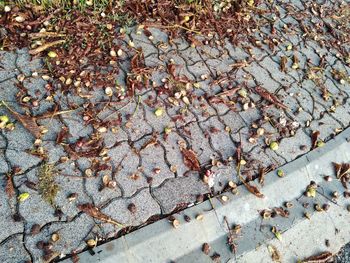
(337, 167)
(283, 64)
(275, 255)
(262, 173)
(320, 258)
(270, 97)
(314, 138)
(227, 93)
(151, 142)
(281, 212)
(253, 189)
(27, 121)
(62, 135)
(94, 212)
(9, 188)
(171, 69)
(190, 159)
(341, 169)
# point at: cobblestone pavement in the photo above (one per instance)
(135, 159)
(344, 255)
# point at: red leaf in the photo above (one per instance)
(190, 159)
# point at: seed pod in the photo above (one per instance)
(273, 146)
(260, 131)
(91, 242)
(318, 208)
(158, 112)
(242, 93)
(52, 54)
(176, 223)
(206, 248)
(113, 53)
(19, 19)
(132, 208)
(108, 91)
(346, 194)
(72, 197)
(288, 204)
(326, 207)
(200, 217)
(328, 178)
(199, 198)
(187, 218)
(224, 198)
(280, 173)
(232, 184)
(35, 229)
(55, 237)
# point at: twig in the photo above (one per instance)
(46, 46)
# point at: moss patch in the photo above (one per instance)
(47, 185)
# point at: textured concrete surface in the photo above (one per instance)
(144, 164)
(299, 237)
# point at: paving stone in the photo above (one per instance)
(10, 227)
(155, 164)
(145, 207)
(179, 191)
(138, 151)
(12, 250)
(72, 236)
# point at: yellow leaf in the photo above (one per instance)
(22, 197)
(158, 112)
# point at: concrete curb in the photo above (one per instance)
(160, 242)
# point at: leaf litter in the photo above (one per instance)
(68, 58)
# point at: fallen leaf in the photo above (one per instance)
(28, 122)
(270, 97)
(277, 233)
(253, 189)
(190, 159)
(283, 64)
(281, 212)
(275, 255)
(94, 212)
(314, 138)
(22, 197)
(262, 173)
(341, 169)
(228, 93)
(62, 135)
(320, 258)
(9, 188)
